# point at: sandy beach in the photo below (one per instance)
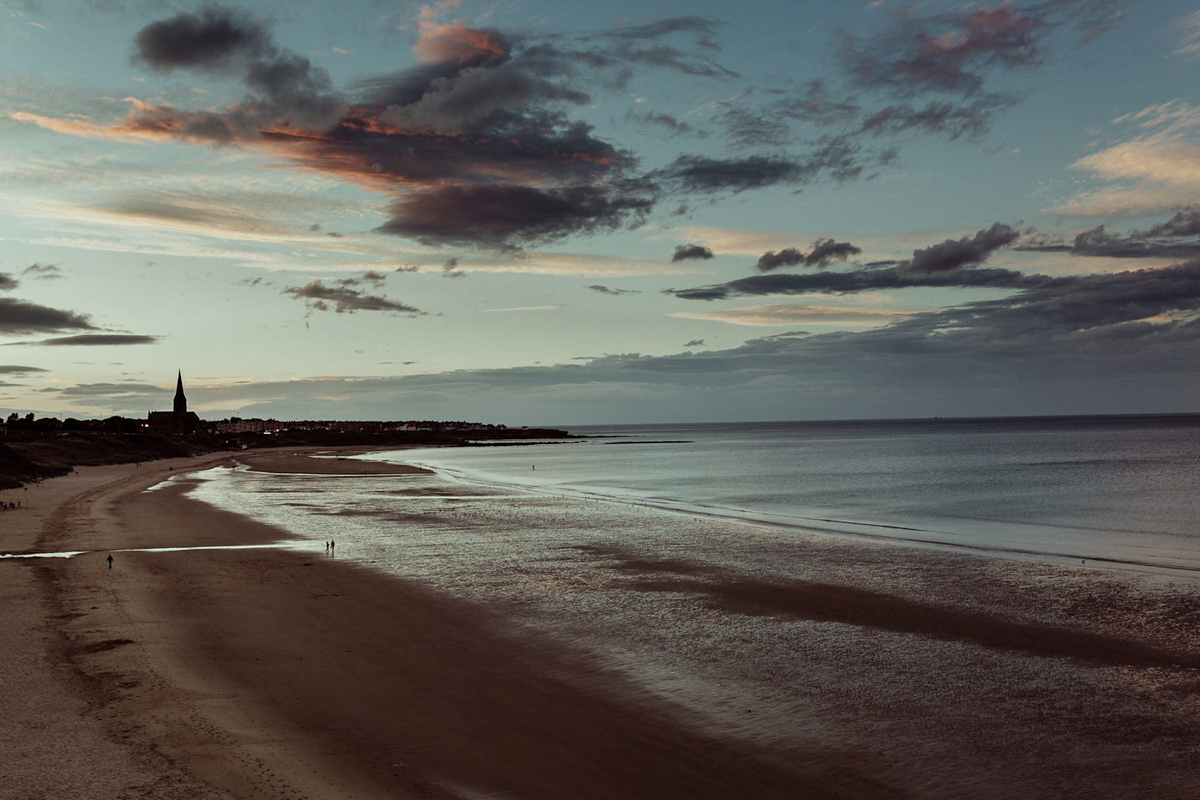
(250, 664)
(273, 673)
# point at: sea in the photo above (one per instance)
(1120, 491)
(698, 562)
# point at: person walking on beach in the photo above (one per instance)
(110, 562)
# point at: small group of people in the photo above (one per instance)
(9, 505)
(329, 546)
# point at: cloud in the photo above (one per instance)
(1189, 33)
(1152, 172)
(955, 254)
(797, 315)
(44, 272)
(687, 252)
(833, 158)
(694, 343)
(668, 122)
(14, 369)
(950, 55)
(8, 282)
(346, 300)
(476, 130)
(861, 280)
(1176, 238)
(210, 39)
(824, 251)
(1184, 223)
(945, 52)
(692, 173)
(952, 120)
(20, 317)
(1050, 347)
(953, 262)
(112, 390)
(479, 145)
(71, 126)
(606, 290)
(223, 40)
(643, 45)
(97, 340)
(507, 216)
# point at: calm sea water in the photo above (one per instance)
(1119, 489)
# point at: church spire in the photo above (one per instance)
(180, 403)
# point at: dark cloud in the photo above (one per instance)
(695, 343)
(20, 317)
(606, 290)
(504, 216)
(478, 131)
(813, 103)
(944, 264)
(837, 158)
(950, 54)
(1184, 223)
(344, 299)
(969, 251)
(752, 127)
(954, 121)
(205, 40)
(751, 122)
(668, 122)
(45, 272)
(945, 52)
(823, 252)
(861, 280)
(1176, 238)
(287, 88)
(98, 339)
(369, 277)
(686, 252)
(644, 45)
(8, 282)
(14, 369)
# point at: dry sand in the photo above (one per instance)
(284, 673)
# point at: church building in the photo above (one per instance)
(180, 420)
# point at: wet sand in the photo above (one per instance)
(286, 672)
(324, 462)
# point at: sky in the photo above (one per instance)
(564, 213)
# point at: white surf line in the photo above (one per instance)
(300, 546)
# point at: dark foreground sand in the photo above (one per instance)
(281, 672)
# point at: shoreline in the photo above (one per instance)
(286, 672)
(268, 672)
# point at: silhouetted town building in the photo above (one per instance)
(178, 420)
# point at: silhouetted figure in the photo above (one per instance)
(110, 562)
(332, 544)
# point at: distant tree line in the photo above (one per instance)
(114, 424)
